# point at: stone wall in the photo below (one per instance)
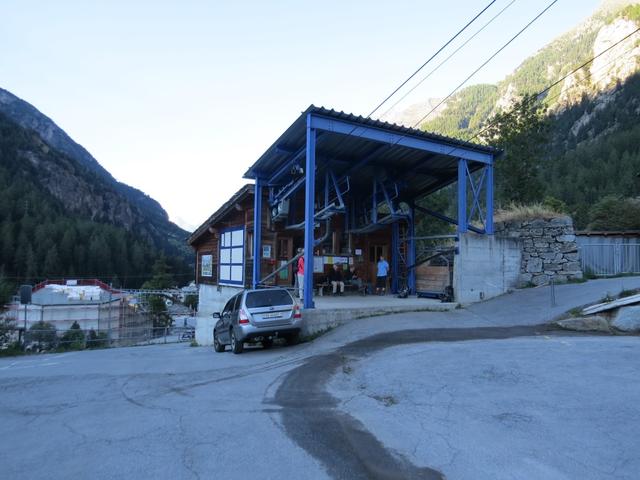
(549, 249)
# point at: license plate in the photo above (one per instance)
(271, 315)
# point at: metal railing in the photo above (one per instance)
(52, 339)
(608, 259)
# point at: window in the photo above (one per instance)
(268, 298)
(238, 301)
(232, 257)
(228, 308)
(206, 265)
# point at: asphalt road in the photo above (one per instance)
(174, 411)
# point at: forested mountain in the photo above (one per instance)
(592, 151)
(63, 215)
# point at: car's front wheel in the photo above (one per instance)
(217, 346)
(236, 345)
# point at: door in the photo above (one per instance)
(225, 320)
(284, 253)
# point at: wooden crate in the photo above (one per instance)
(431, 278)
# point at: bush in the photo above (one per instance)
(42, 333)
(516, 212)
(615, 213)
(73, 339)
(97, 340)
(10, 349)
(191, 301)
(7, 330)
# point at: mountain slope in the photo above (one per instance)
(613, 21)
(62, 214)
(593, 150)
(110, 201)
(144, 209)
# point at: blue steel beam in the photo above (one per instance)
(462, 195)
(289, 162)
(335, 185)
(309, 213)
(411, 254)
(445, 218)
(387, 199)
(287, 191)
(476, 189)
(378, 135)
(257, 231)
(395, 256)
(488, 224)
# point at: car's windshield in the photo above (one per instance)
(266, 298)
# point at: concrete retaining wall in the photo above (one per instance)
(318, 320)
(486, 266)
(211, 298)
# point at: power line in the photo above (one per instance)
(585, 64)
(575, 70)
(431, 58)
(485, 63)
(447, 59)
(600, 69)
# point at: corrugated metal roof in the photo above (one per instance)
(221, 212)
(295, 136)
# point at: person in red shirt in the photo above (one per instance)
(300, 275)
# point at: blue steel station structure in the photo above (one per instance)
(370, 173)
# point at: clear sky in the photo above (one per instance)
(178, 98)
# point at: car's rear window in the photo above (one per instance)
(267, 298)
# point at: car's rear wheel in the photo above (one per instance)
(236, 346)
(217, 346)
(267, 343)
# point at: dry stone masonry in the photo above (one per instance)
(549, 249)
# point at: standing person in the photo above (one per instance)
(335, 277)
(381, 277)
(300, 274)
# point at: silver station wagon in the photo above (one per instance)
(254, 316)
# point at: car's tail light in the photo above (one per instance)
(296, 312)
(243, 318)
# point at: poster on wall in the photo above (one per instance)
(266, 251)
(206, 266)
(318, 265)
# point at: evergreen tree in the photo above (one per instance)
(522, 134)
(52, 267)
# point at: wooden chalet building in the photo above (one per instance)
(224, 249)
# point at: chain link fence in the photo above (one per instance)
(40, 329)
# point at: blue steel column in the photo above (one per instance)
(309, 213)
(395, 254)
(489, 202)
(462, 195)
(411, 254)
(257, 232)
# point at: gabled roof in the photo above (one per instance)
(244, 192)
